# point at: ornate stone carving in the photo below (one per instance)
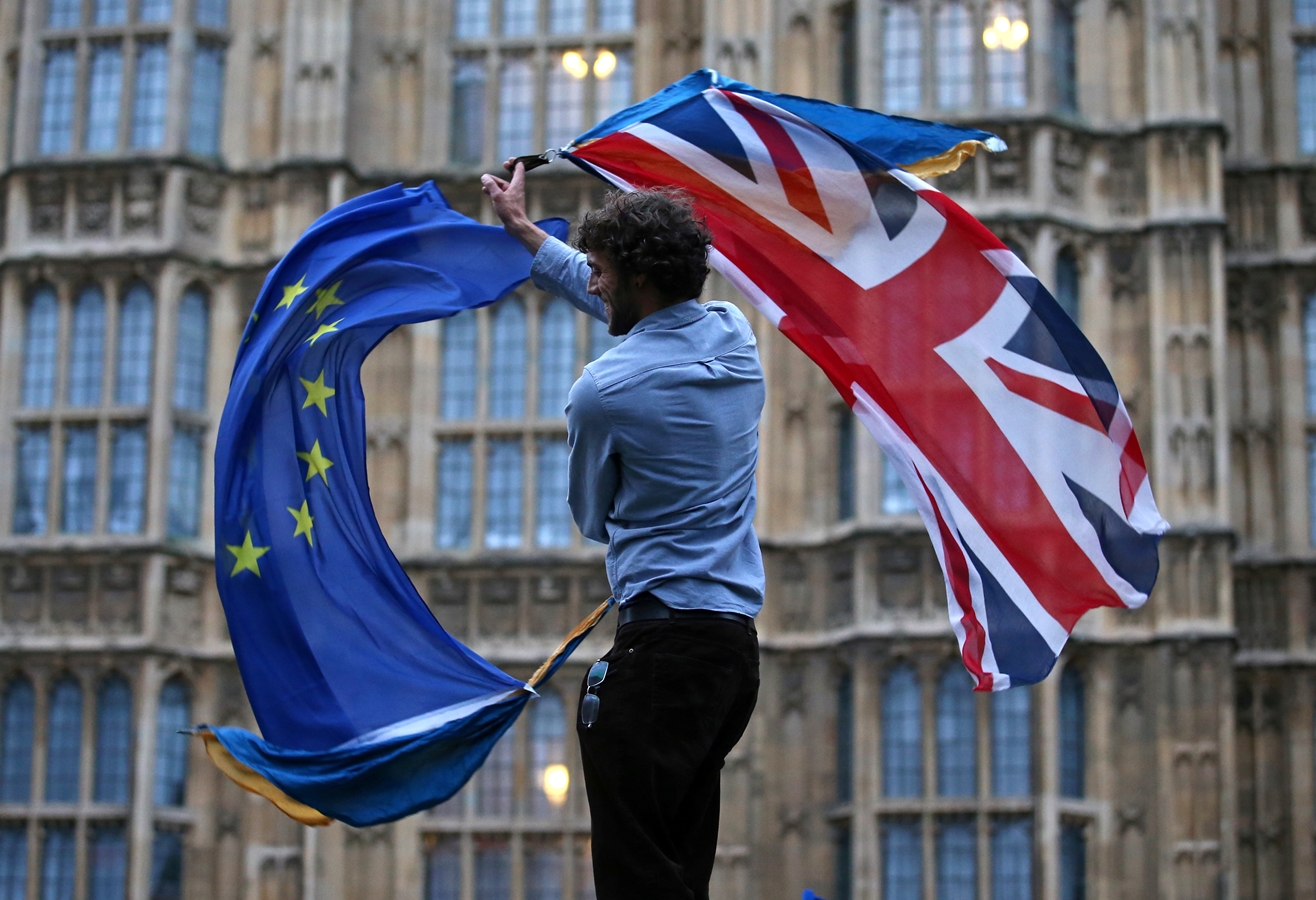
(1068, 163)
(120, 601)
(20, 603)
(899, 578)
(204, 196)
(94, 199)
(1126, 177)
(498, 607)
(70, 598)
(1250, 212)
(45, 199)
(141, 201)
(840, 588)
(1007, 171)
(962, 180)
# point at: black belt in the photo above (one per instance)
(645, 607)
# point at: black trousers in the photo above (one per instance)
(676, 699)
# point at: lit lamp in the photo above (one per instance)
(1004, 33)
(556, 780)
(604, 64)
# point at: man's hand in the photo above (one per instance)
(508, 198)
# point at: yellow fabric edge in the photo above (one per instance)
(589, 622)
(249, 779)
(945, 163)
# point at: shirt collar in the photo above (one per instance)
(668, 317)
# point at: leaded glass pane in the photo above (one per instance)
(1067, 282)
(79, 501)
(1304, 12)
(566, 16)
(954, 56)
(1073, 862)
(520, 17)
(103, 92)
(64, 13)
(1311, 486)
(613, 93)
(1063, 57)
(192, 351)
(167, 864)
(507, 361)
(87, 353)
(468, 91)
(453, 504)
(957, 860)
(543, 869)
(845, 20)
(173, 716)
(616, 15)
(443, 868)
(552, 515)
(41, 346)
(896, 500)
(136, 343)
(516, 109)
(59, 88)
(845, 738)
(150, 94)
(493, 780)
(107, 862)
(902, 859)
(557, 357)
(564, 107)
(113, 740)
(13, 861)
(844, 465)
(32, 480)
(16, 741)
(470, 19)
(110, 12)
(1012, 857)
(902, 60)
(128, 479)
(155, 10)
(548, 755)
(493, 869)
(1308, 351)
(58, 862)
(207, 100)
(1072, 733)
(502, 504)
(957, 748)
(1012, 755)
(212, 13)
(902, 734)
(64, 741)
(185, 483)
(458, 368)
(1007, 70)
(599, 340)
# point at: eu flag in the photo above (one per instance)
(368, 709)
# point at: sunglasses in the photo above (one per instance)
(589, 704)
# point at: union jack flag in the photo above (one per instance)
(997, 412)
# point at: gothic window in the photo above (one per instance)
(40, 348)
(166, 864)
(64, 740)
(58, 861)
(616, 15)
(443, 868)
(459, 367)
(470, 19)
(136, 341)
(494, 780)
(155, 10)
(453, 528)
(17, 719)
(599, 340)
(212, 13)
(32, 480)
(86, 354)
(64, 14)
(516, 109)
(493, 868)
(78, 506)
(468, 82)
(1304, 12)
(1072, 733)
(543, 869)
(507, 362)
(1308, 348)
(1311, 485)
(1305, 72)
(902, 734)
(552, 516)
(566, 16)
(957, 859)
(847, 53)
(1012, 856)
(107, 861)
(207, 99)
(902, 58)
(110, 12)
(113, 740)
(896, 500)
(174, 715)
(564, 107)
(59, 87)
(150, 94)
(613, 73)
(845, 480)
(13, 861)
(1067, 284)
(842, 860)
(902, 859)
(1007, 69)
(106, 86)
(1064, 55)
(957, 749)
(520, 17)
(184, 512)
(845, 738)
(1012, 764)
(128, 479)
(502, 505)
(548, 755)
(557, 356)
(954, 56)
(1073, 862)
(192, 351)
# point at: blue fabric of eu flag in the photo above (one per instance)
(368, 709)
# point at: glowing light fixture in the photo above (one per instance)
(556, 780)
(1005, 34)
(575, 64)
(604, 64)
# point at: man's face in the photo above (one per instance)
(617, 294)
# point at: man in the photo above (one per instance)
(663, 436)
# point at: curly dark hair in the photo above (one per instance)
(653, 233)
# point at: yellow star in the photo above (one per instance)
(246, 556)
(291, 292)
(316, 463)
(254, 319)
(322, 331)
(325, 298)
(317, 393)
(305, 522)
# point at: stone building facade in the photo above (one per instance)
(156, 158)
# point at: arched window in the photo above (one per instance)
(127, 479)
(1012, 856)
(1067, 282)
(1012, 754)
(957, 858)
(557, 357)
(459, 372)
(173, 716)
(957, 748)
(507, 361)
(845, 738)
(132, 381)
(13, 860)
(17, 720)
(902, 858)
(114, 703)
(64, 741)
(1072, 733)
(902, 734)
(87, 349)
(1309, 351)
(1007, 69)
(493, 780)
(845, 464)
(548, 755)
(192, 350)
(902, 58)
(40, 346)
(58, 861)
(107, 861)
(1063, 56)
(599, 340)
(552, 516)
(954, 56)
(896, 499)
(502, 495)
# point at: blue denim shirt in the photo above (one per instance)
(663, 437)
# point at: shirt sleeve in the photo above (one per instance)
(563, 272)
(594, 471)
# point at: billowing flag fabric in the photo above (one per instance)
(368, 709)
(999, 415)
